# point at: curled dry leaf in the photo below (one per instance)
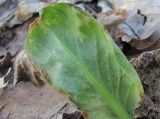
(5, 62)
(24, 67)
(12, 41)
(26, 10)
(105, 5)
(112, 17)
(2, 82)
(142, 24)
(19, 11)
(2, 1)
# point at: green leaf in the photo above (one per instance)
(83, 61)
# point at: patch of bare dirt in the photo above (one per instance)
(148, 68)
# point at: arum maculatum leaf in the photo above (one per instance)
(83, 61)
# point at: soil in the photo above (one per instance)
(148, 68)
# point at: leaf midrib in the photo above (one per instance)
(112, 103)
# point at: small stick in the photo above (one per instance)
(59, 111)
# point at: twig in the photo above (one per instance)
(58, 111)
(91, 10)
